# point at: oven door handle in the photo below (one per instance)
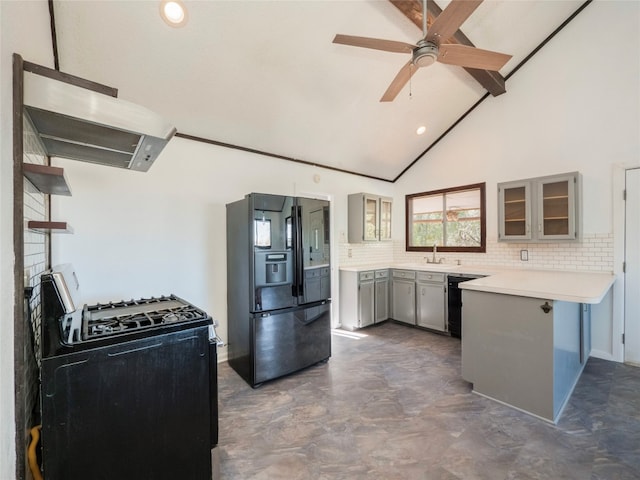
(133, 350)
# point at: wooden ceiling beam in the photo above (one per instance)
(493, 82)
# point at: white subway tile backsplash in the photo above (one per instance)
(593, 252)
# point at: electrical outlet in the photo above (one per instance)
(349, 253)
(524, 255)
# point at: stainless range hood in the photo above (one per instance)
(80, 124)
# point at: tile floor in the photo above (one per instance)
(390, 404)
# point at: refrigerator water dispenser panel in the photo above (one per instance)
(272, 268)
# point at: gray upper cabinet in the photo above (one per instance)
(514, 210)
(558, 207)
(369, 218)
(540, 209)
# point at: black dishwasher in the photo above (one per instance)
(454, 319)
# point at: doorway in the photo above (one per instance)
(632, 268)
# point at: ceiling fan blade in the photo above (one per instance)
(375, 43)
(449, 21)
(471, 57)
(403, 76)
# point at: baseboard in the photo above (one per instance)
(223, 355)
(602, 355)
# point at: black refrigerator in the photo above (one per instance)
(278, 285)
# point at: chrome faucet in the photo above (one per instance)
(433, 260)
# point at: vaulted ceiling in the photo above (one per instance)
(265, 76)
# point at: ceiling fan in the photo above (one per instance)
(430, 48)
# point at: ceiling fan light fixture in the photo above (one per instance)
(425, 54)
(173, 12)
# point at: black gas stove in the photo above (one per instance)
(67, 328)
(135, 380)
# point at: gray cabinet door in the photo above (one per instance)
(514, 211)
(404, 301)
(382, 300)
(557, 208)
(430, 306)
(366, 307)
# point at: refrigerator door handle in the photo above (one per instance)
(308, 321)
(299, 254)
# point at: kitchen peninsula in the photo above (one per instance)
(526, 336)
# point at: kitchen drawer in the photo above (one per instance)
(364, 276)
(382, 273)
(405, 274)
(431, 277)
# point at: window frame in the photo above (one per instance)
(441, 248)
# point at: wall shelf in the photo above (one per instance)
(47, 179)
(53, 227)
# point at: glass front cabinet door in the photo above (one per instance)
(371, 215)
(515, 211)
(385, 219)
(557, 208)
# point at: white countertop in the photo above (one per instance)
(579, 287)
(570, 286)
(430, 267)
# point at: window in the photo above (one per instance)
(453, 219)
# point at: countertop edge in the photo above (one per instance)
(503, 284)
(510, 281)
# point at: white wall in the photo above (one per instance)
(164, 231)
(574, 106)
(24, 29)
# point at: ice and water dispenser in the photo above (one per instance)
(273, 268)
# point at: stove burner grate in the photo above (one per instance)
(125, 316)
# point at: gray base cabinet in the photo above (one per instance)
(524, 352)
(403, 292)
(431, 301)
(364, 298)
(381, 295)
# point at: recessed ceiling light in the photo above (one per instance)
(173, 12)
(421, 129)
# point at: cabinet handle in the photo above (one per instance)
(546, 308)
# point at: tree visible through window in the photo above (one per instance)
(453, 219)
